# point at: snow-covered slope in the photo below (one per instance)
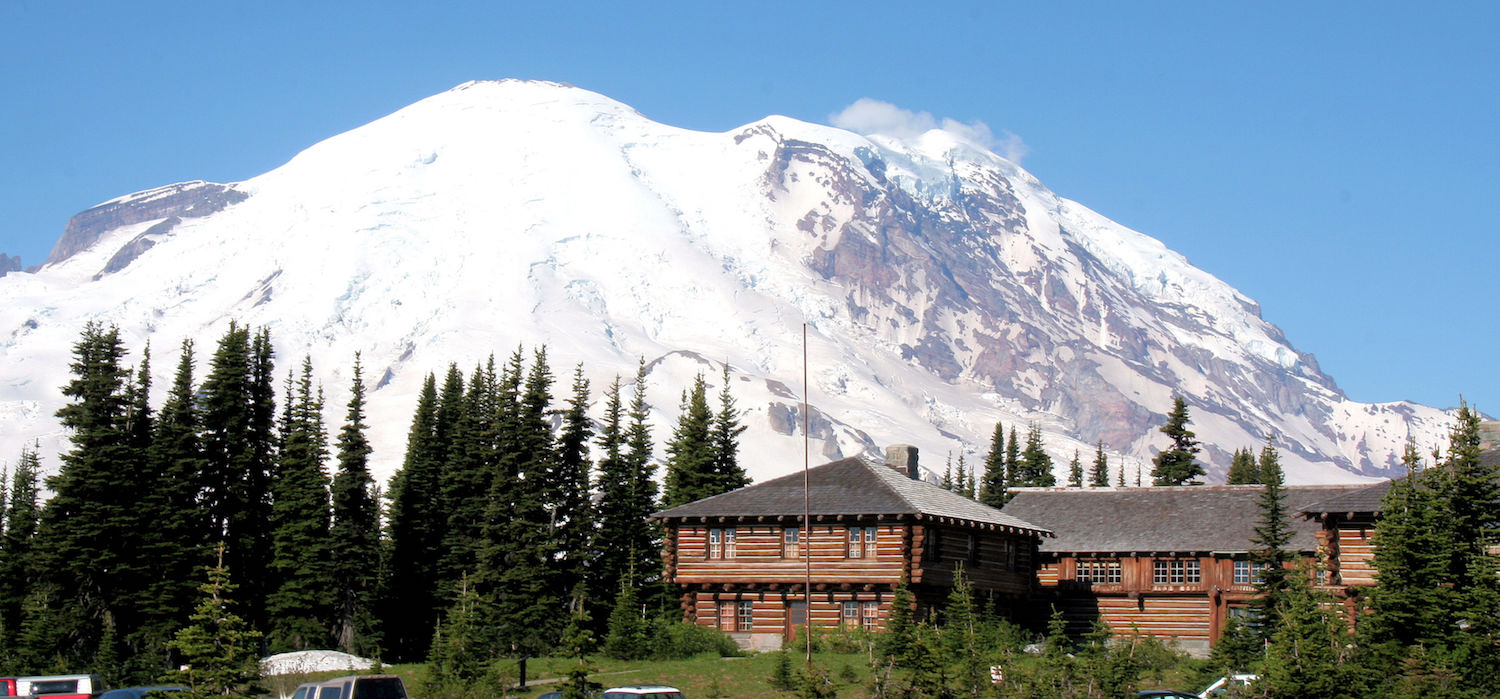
(944, 288)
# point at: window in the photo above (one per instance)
(791, 542)
(856, 545)
(870, 542)
(932, 544)
(1098, 572)
(1176, 572)
(747, 616)
(726, 616)
(972, 551)
(870, 615)
(850, 615)
(721, 543)
(1247, 573)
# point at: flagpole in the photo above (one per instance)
(806, 510)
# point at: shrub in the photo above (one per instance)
(679, 640)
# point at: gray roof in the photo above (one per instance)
(1366, 499)
(1161, 519)
(851, 487)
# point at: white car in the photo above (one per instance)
(1222, 685)
(650, 691)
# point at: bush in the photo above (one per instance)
(680, 640)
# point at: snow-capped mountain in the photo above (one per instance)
(943, 287)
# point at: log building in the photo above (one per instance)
(741, 559)
(1167, 562)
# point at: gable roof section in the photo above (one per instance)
(1218, 519)
(850, 487)
(1362, 501)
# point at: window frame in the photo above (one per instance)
(849, 614)
(869, 615)
(744, 615)
(791, 542)
(854, 542)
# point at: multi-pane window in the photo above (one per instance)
(1099, 572)
(869, 615)
(726, 616)
(1247, 573)
(746, 616)
(791, 542)
(721, 543)
(729, 539)
(972, 552)
(850, 615)
(932, 545)
(1176, 572)
(862, 542)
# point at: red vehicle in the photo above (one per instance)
(59, 686)
(7, 686)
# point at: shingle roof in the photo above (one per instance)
(1186, 518)
(850, 486)
(1366, 499)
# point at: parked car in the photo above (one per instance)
(357, 687)
(7, 686)
(137, 692)
(1222, 685)
(58, 686)
(1163, 694)
(651, 691)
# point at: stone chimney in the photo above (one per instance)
(903, 458)
(1489, 436)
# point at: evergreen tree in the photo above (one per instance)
(1075, 472)
(220, 652)
(1305, 655)
(725, 437)
(17, 574)
(896, 643)
(961, 636)
(1411, 603)
(1272, 535)
(1472, 487)
(458, 663)
(947, 483)
(467, 478)
(992, 492)
(515, 571)
(79, 533)
(1242, 469)
(1035, 467)
(298, 607)
(690, 452)
(1099, 473)
(354, 537)
(571, 511)
(416, 514)
(1013, 470)
(1177, 465)
(611, 545)
(961, 477)
(627, 638)
(237, 418)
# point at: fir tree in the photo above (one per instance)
(690, 452)
(17, 574)
(1272, 535)
(467, 477)
(1411, 602)
(1013, 475)
(354, 536)
(1242, 469)
(80, 528)
(571, 511)
(627, 638)
(515, 571)
(1304, 658)
(236, 401)
(298, 606)
(1036, 465)
(220, 652)
(643, 538)
(461, 649)
(961, 635)
(961, 477)
(992, 492)
(947, 483)
(1177, 465)
(1075, 472)
(725, 437)
(416, 515)
(1099, 473)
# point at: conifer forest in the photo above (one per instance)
(518, 526)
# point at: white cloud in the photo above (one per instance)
(872, 116)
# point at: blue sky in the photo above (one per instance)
(1338, 162)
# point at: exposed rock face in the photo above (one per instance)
(9, 264)
(185, 199)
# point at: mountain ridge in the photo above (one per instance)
(549, 213)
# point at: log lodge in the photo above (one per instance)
(1166, 562)
(742, 559)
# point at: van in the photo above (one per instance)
(58, 686)
(361, 687)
